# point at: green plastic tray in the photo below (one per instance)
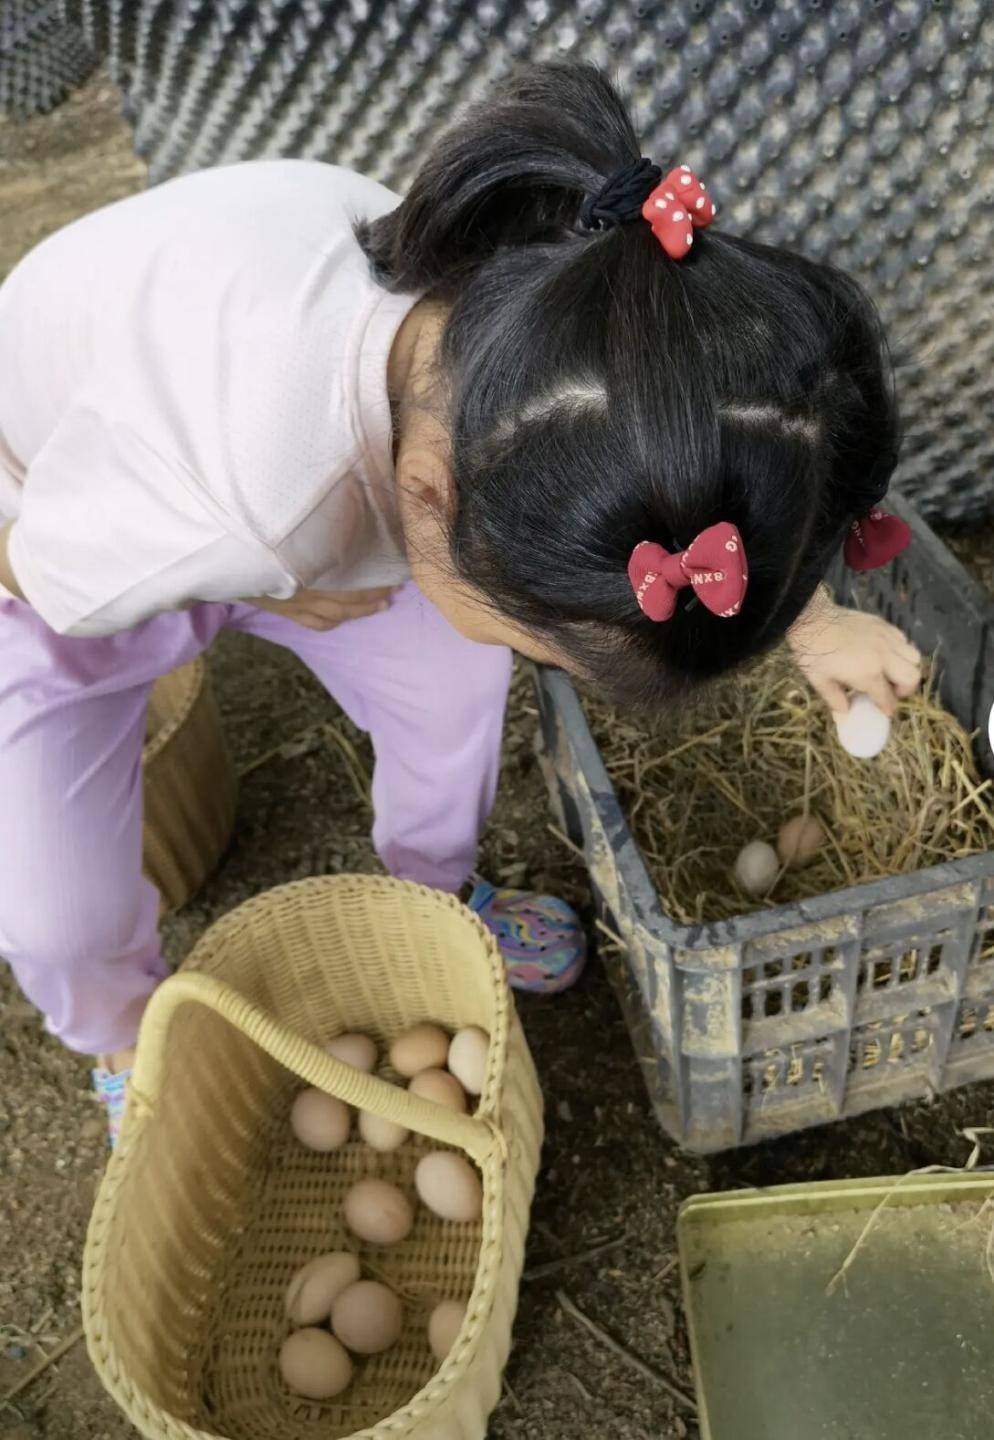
(901, 1349)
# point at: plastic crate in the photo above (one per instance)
(802, 1013)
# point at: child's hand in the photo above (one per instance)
(327, 609)
(839, 650)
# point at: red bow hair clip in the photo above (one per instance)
(676, 206)
(875, 540)
(713, 565)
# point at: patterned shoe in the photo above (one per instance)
(541, 938)
(110, 1091)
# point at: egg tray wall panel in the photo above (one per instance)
(857, 131)
(800, 1014)
(44, 55)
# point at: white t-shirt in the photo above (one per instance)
(193, 399)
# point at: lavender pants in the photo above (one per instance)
(78, 923)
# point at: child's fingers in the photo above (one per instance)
(364, 602)
(904, 675)
(355, 612)
(882, 694)
(903, 648)
(897, 640)
(313, 621)
(833, 695)
(349, 606)
(365, 597)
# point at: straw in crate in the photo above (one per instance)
(210, 1205)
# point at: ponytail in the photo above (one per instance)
(513, 173)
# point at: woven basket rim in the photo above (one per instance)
(197, 670)
(140, 1107)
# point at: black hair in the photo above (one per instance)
(599, 394)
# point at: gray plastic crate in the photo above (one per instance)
(800, 1014)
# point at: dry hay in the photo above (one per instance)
(762, 749)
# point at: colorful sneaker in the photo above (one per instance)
(541, 938)
(110, 1091)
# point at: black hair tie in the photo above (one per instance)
(621, 197)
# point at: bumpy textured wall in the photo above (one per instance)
(859, 130)
(43, 55)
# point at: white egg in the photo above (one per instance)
(380, 1134)
(864, 729)
(756, 867)
(420, 1048)
(355, 1050)
(441, 1087)
(367, 1318)
(314, 1364)
(468, 1055)
(319, 1121)
(450, 1186)
(315, 1287)
(378, 1212)
(444, 1325)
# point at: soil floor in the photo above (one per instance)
(609, 1173)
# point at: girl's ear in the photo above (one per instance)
(422, 468)
(423, 474)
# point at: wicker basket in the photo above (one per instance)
(190, 785)
(209, 1205)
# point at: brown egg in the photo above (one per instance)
(378, 1213)
(800, 840)
(367, 1317)
(381, 1134)
(444, 1324)
(468, 1058)
(419, 1048)
(355, 1050)
(319, 1121)
(440, 1086)
(449, 1186)
(314, 1364)
(314, 1287)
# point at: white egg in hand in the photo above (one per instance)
(756, 867)
(864, 729)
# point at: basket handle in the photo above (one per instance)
(477, 1135)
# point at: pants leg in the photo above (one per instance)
(433, 704)
(78, 922)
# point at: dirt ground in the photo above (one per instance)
(609, 1173)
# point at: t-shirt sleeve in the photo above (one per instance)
(112, 532)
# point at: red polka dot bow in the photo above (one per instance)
(675, 207)
(714, 565)
(875, 540)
